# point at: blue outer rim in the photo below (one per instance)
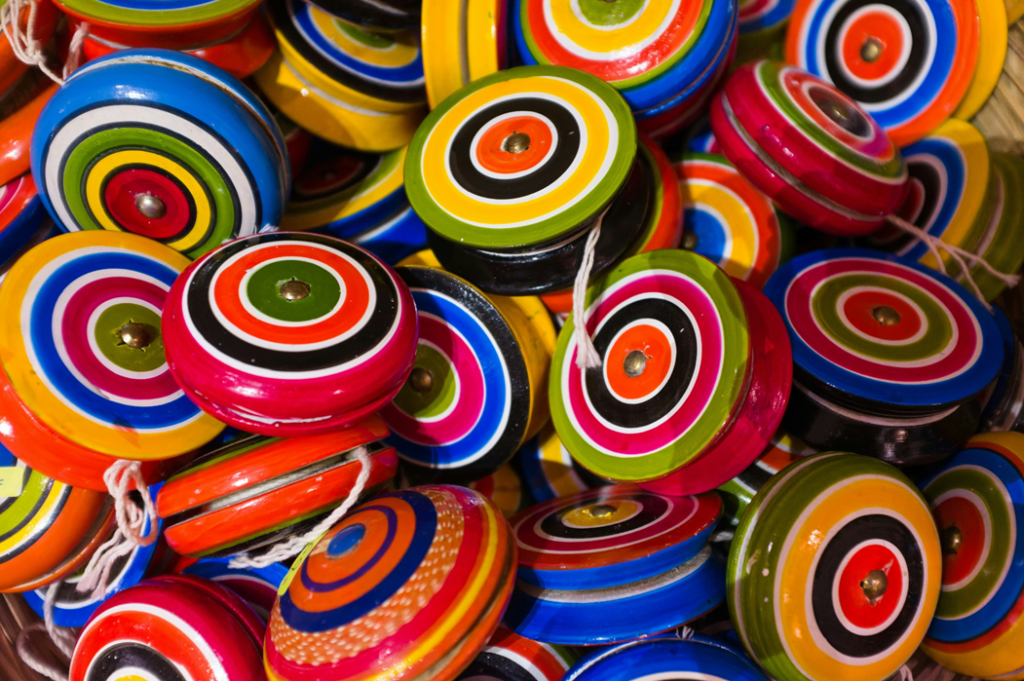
(773, 19)
(665, 654)
(947, 153)
(948, 392)
(1009, 592)
(681, 76)
(21, 229)
(368, 218)
(243, 128)
(618, 619)
(399, 237)
(212, 568)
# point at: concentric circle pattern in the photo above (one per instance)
(683, 315)
(609, 536)
(907, 62)
(574, 140)
(732, 223)
(511, 657)
(550, 471)
(21, 214)
(155, 13)
(623, 43)
(256, 586)
(413, 580)
(171, 629)
(69, 301)
(465, 408)
(977, 499)
(191, 164)
(384, 67)
(874, 328)
(835, 570)
(324, 328)
(763, 15)
(667, 657)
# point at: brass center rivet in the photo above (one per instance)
(294, 290)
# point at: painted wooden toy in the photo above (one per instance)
(1005, 229)
(730, 222)
(461, 43)
(663, 224)
(891, 358)
(614, 564)
(257, 490)
(288, 334)
(977, 499)
(19, 110)
(809, 147)
(23, 220)
(256, 586)
(411, 584)
(43, 523)
(694, 379)
(1005, 406)
(297, 140)
(84, 377)
(924, 667)
(908, 65)
(654, 53)
(240, 52)
(44, 16)
(383, 16)
(762, 24)
(667, 657)
(513, 173)
(72, 608)
(698, 138)
(171, 628)
(359, 197)
(835, 571)
(191, 163)
(511, 657)
(549, 470)
(478, 388)
(355, 88)
(505, 488)
(737, 494)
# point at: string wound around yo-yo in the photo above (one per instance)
(293, 546)
(587, 356)
(131, 525)
(959, 255)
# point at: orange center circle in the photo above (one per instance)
(883, 30)
(491, 153)
(656, 347)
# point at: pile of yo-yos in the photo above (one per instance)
(511, 340)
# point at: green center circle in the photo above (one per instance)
(439, 398)
(108, 337)
(940, 329)
(609, 13)
(264, 290)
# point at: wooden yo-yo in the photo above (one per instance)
(286, 333)
(171, 627)
(513, 173)
(550, 471)
(478, 387)
(890, 358)
(23, 221)
(977, 498)
(241, 52)
(694, 375)
(257, 491)
(1005, 229)
(358, 89)
(179, 151)
(727, 220)
(380, 16)
(835, 571)
(461, 43)
(663, 225)
(619, 549)
(44, 16)
(1005, 405)
(509, 656)
(810, 148)
(437, 568)
(660, 55)
(257, 586)
(359, 197)
(84, 378)
(49, 528)
(670, 656)
(737, 494)
(505, 488)
(909, 79)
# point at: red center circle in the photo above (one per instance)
(493, 155)
(122, 192)
(885, 32)
(860, 309)
(854, 604)
(966, 517)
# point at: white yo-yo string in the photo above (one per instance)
(131, 525)
(26, 47)
(586, 354)
(63, 639)
(293, 546)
